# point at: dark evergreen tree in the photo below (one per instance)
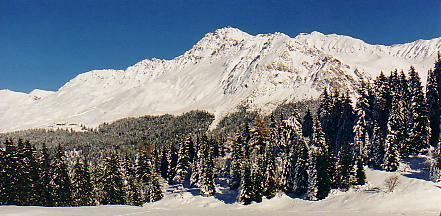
(270, 181)
(132, 186)
(10, 164)
(322, 162)
(144, 174)
(301, 169)
(396, 130)
(112, 181)
(376, 148)
(155, 188)
(172, 157)
(418, 123)
(433, 103)
(307, 124)
(360, 175)
(206, 167)
(82, 185)
(236, 157)
(46, 177)
(61, 183)
(246, 193)
(345, 167)
(383, 104)
(183, 166)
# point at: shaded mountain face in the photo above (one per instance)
(225, 69)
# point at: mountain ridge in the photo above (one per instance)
(225, 69)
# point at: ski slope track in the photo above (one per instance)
(225, 69)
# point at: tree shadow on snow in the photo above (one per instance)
(418, 168)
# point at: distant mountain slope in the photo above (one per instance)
(224, 69)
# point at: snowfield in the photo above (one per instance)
(226, 68)
(413, 196)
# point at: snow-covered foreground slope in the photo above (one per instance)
(412, 197)
(224, 69)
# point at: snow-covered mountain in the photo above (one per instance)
(224, 69)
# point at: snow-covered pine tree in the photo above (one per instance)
(270, 182)
(34, 174)
(366, 102)
(144, 174)
(322, 163)
(236, 157)
(206, 176)
(383, 104)
(293, 131)
(433, 103)
(345, 167)
(258, 142)
(155, 188)
(312, 175)
(29, 171)
(61, 183)
(376, 148)
(360, 175)
(195, 165)
(82, 184)
(164, 162)
(246, 193)
(132, 186)
(11, 175)
(418, 129)
(307, 124)
(301, 169)
(360, 133)
(395, 135)
(112, 181)
(172, 158)
(46, 177)
(2, 176)
(183, 166)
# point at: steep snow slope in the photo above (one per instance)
(411, 197)
(224, 69)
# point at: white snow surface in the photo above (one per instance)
(413, 196)
(226, 68)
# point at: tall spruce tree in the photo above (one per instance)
(144, 174)
(301, 169)
(270, 181)
(307, 124)
(376, 148)
(61, 182)
(82, 185)
(322, 162)
(433, 105)
(396, 130)
(236, 157)
(360, 175)
(418, 123)
(383, 104)
(246, 193)
(206, 178)
(46, 177)
(345, 167)
(10, 164)
(112, 181)
(183, 171)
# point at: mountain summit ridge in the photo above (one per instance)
(225, 69)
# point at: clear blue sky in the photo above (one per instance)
(45, 43)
